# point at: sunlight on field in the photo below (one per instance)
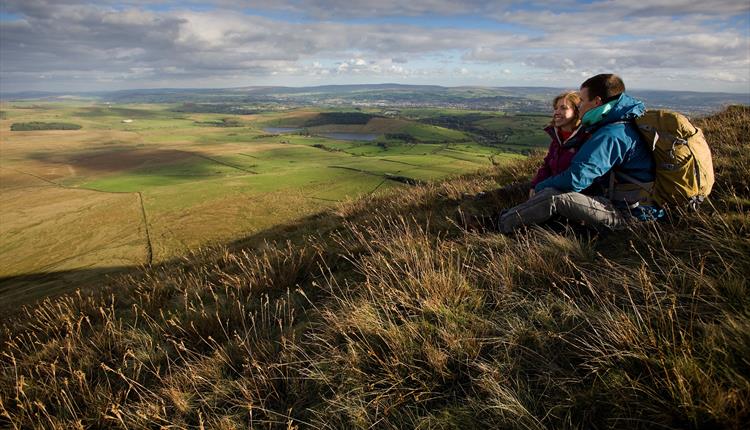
(142, 184)
(48, 228)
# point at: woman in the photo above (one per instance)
(567, 137)
(564, 131)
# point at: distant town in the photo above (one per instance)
(385, 96)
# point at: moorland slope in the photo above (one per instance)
(406, 310)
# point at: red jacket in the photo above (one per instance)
(560, 153)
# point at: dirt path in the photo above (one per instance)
(149, 248)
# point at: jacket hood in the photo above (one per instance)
(625, 108)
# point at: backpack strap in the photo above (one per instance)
(632, 180)
(647, 187)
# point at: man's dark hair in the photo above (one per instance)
(607, 86)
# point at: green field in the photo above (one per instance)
(143, 183)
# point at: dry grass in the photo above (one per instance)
(38, 220)
(406, 311)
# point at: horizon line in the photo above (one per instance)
(56, 92)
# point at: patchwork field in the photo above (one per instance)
(141, 184)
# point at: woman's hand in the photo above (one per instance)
(531, 192)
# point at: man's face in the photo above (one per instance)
(586, 103)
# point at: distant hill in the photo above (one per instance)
(511, 99)
(690, 101)
(408, 310)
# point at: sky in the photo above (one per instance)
(80, 45)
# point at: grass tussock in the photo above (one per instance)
(407, 310)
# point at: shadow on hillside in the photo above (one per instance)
(125, 159)
(28, 289)
(16, 291)
(442, 211)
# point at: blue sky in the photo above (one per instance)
(80, 45)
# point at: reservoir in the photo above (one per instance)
(367, 137)
(281, 129)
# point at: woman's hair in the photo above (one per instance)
(572, 97)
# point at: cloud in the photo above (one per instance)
(362, 67)
(614, 11)
(671, 8)
(147, 42)
(336, 9)
(339, 9)
(100, 38)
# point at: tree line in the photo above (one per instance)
(39, 125)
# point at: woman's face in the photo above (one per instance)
(564, 115)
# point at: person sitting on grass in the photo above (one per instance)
(564, 131)
(588, 190)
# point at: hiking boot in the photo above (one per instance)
(475, 197)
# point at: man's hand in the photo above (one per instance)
(531, 193)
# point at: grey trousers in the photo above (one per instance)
(592, 211)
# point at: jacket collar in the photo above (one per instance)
(554, 133)
(597, 114)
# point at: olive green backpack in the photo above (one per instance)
(684, 170)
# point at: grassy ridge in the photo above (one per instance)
(403, 311)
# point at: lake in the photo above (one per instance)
(281, 129)
(368, 137)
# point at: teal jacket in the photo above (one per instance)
(614, 142)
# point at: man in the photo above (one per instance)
(592, 190)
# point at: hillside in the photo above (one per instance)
(406, 309)
(147, 183)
